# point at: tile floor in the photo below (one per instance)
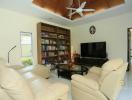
(125, 94)
(54, 78)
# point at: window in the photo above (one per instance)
(26, 48)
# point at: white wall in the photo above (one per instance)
(11, 24)
(112, 30)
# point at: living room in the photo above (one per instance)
(111, 26)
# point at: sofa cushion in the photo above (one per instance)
(86, 81)
(14, 85)
(110, 66)
(92, 76)
(4, 95)
(44, 90)
(53, 92)
(95, 70)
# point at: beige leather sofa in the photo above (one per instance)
(27, 85)
(100, 83)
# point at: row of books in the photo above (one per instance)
(49, 54)
(46, 48)
(62, 47)
(53, 54)
(47, 28)
(61, 31)
(63, 53)
(61, 36)
(61, 42)
(46, 41)
(48, 61)
(60, 59)
(51, 35)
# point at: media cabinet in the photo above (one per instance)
(90, 61)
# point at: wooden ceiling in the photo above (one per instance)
(59, 6)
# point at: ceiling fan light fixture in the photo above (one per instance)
(79, 10)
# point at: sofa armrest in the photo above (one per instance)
(87, 82)
(95, 70)
(59, 92)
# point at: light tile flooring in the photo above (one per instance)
(54, 78)
(125, 94)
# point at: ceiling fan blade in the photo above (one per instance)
(71, 8)
(70, 11)
(70, 17)
(83, 4)
(72, 14)
(88, 9)
(81, 14)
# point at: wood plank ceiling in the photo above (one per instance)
(59, 6)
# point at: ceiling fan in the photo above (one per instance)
(79, 10)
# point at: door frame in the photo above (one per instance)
(129, 48)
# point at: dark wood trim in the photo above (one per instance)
(129, 48)
(59, 6)
(108, 3)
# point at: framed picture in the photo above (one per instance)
(92, 29)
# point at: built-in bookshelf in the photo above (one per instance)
(53, 44)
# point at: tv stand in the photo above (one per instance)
(90, 61)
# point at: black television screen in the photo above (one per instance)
(94, 49)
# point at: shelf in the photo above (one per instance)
(52, 40)
(53, 50)
(64, 44)
(63, 55)
(47, 31)
(61, 33)
(48, 38)
(62, 49)
(63, 38)
(49, 51)
(49, 57)
(50, 44)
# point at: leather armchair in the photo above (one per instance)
(100, 83)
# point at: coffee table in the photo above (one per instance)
(66, 70)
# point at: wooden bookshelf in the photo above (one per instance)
(53, 44)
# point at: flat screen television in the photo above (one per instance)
(94, 49)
